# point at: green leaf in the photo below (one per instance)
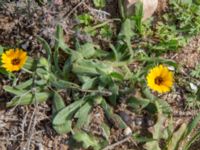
(85, 68)
(147, 93)
(197, 2)
(126, 32)
(192, 125)
(58, 102)
(83, 115)
(177, 136)
(58, 105)
(56, 62)
(62, 84)
(138, 15)
(106, 131)
(185, 2)
(114, 88)
(99, 3)
(63, 128)
(1, 50)
(25, 84)
(138, 103)
(158, 60)
(125, 35)
(4, 72)
(106, 31)
(157, 134)
(43, 63)
(117, 76)
(43, 73)
(166, 46)
(30, 64)
(29, 98)
(41, 83)
(196, 72)
(60, 42)
(141, 139)
(14, 90)
(117, 56)
(166, 108)
(67, 68)
(87, 50)
(152, 145)
(46, 47)
(191, 141)
(121, 8)
(113, 118)
(89, 83)
(41, 2)
(107, 81)
(66, 112)
(87, 140)
(91, 68)
(85, 19)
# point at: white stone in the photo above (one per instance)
(149, 7)
(127, 131)
(193, 87)
(171, 68)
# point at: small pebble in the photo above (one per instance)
(193, 87)
(150, 122)
(127, 131)
(138, 121)
(40, 146)
(171, 68)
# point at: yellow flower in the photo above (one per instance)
(160, 79)
(13, 60)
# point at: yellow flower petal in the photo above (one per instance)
(160, 79)
(13, 60)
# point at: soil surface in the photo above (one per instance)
(29, 127)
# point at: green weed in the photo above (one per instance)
(92, 76)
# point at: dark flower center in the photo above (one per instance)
(158, 80)
(16, 61)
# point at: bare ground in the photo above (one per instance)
(29, 127)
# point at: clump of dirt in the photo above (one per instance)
(29, 128)
(21, 23)
(97, 119)
(189, 56)
(162, 6)
(175, 99)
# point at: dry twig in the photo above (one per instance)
(112, 146)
